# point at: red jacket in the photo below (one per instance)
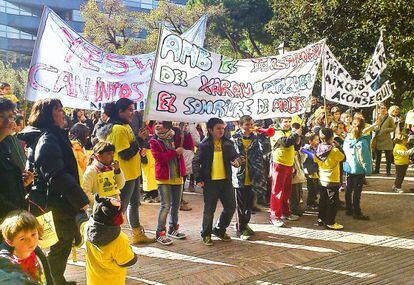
(163, 157)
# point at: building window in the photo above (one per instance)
(12, 33)
(14, 9)
(76, 16)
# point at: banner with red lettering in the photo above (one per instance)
(68, 67)
(192, 84)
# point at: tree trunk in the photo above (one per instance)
(252, 41)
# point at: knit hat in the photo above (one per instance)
(105, 212)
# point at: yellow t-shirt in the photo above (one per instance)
(246, 144)
(103, 262)
(121, 137)
(12, 98)
(81, 159)
(282, 155)
(149, 182)
(329, 169)
(218, 171)
(399, 159)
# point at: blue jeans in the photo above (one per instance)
(131, 201)
(170, 196)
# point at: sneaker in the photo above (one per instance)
(147, 200)
(174, 233)
(278, 223)
(250, 231)
(361, 217)
(398, 190)
(207, 240)
(335, 227)
(321, 223)
(291, 217)
(223, 236)
(245, 235)
(312, 208)
(163, 239)
(156, 200)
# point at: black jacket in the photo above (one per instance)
(56, 184)
(203, 159)
(12, 193)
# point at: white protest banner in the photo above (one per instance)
(66, 66)
(339, 87)
(192, 84)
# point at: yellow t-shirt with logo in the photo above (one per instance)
(121, 137)
(246, 144)
(282, 155)
(218, 171)
(400, 159)
(103, 262)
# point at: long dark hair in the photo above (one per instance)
(79, 132)
(112, 109)
(41, 115)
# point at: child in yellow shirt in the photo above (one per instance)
(108, 252)
(401, 160)
(328, 157)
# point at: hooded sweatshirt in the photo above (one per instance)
(358, 155)
(328, 158)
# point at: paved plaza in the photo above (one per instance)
(379, 251)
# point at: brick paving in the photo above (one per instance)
(379, 251)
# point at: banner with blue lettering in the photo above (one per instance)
(339, 87)
(192, 84)
(68, 67)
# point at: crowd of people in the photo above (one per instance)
(89, 170)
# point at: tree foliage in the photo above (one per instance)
(17, 78)
(352, 29)
(240, 23)
(110, 26)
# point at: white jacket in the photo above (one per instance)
(90, 181)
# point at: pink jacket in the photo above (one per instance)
(163, 157)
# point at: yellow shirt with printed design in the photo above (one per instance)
(246, 144)
(218, 171)
(282, 155)
(103, 263)
(400, 159)
(121, 137)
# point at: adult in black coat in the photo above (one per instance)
(56, 187)
(13, 180)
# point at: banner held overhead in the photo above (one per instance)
(192, 84)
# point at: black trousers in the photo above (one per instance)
(354, 183)
(59, 253)
(213, 191)
(294, 200)
(400, 171)
(313, 191)
(245, 199)
(328, 204)
(388, 159)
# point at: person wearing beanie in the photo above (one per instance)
(108, 252)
